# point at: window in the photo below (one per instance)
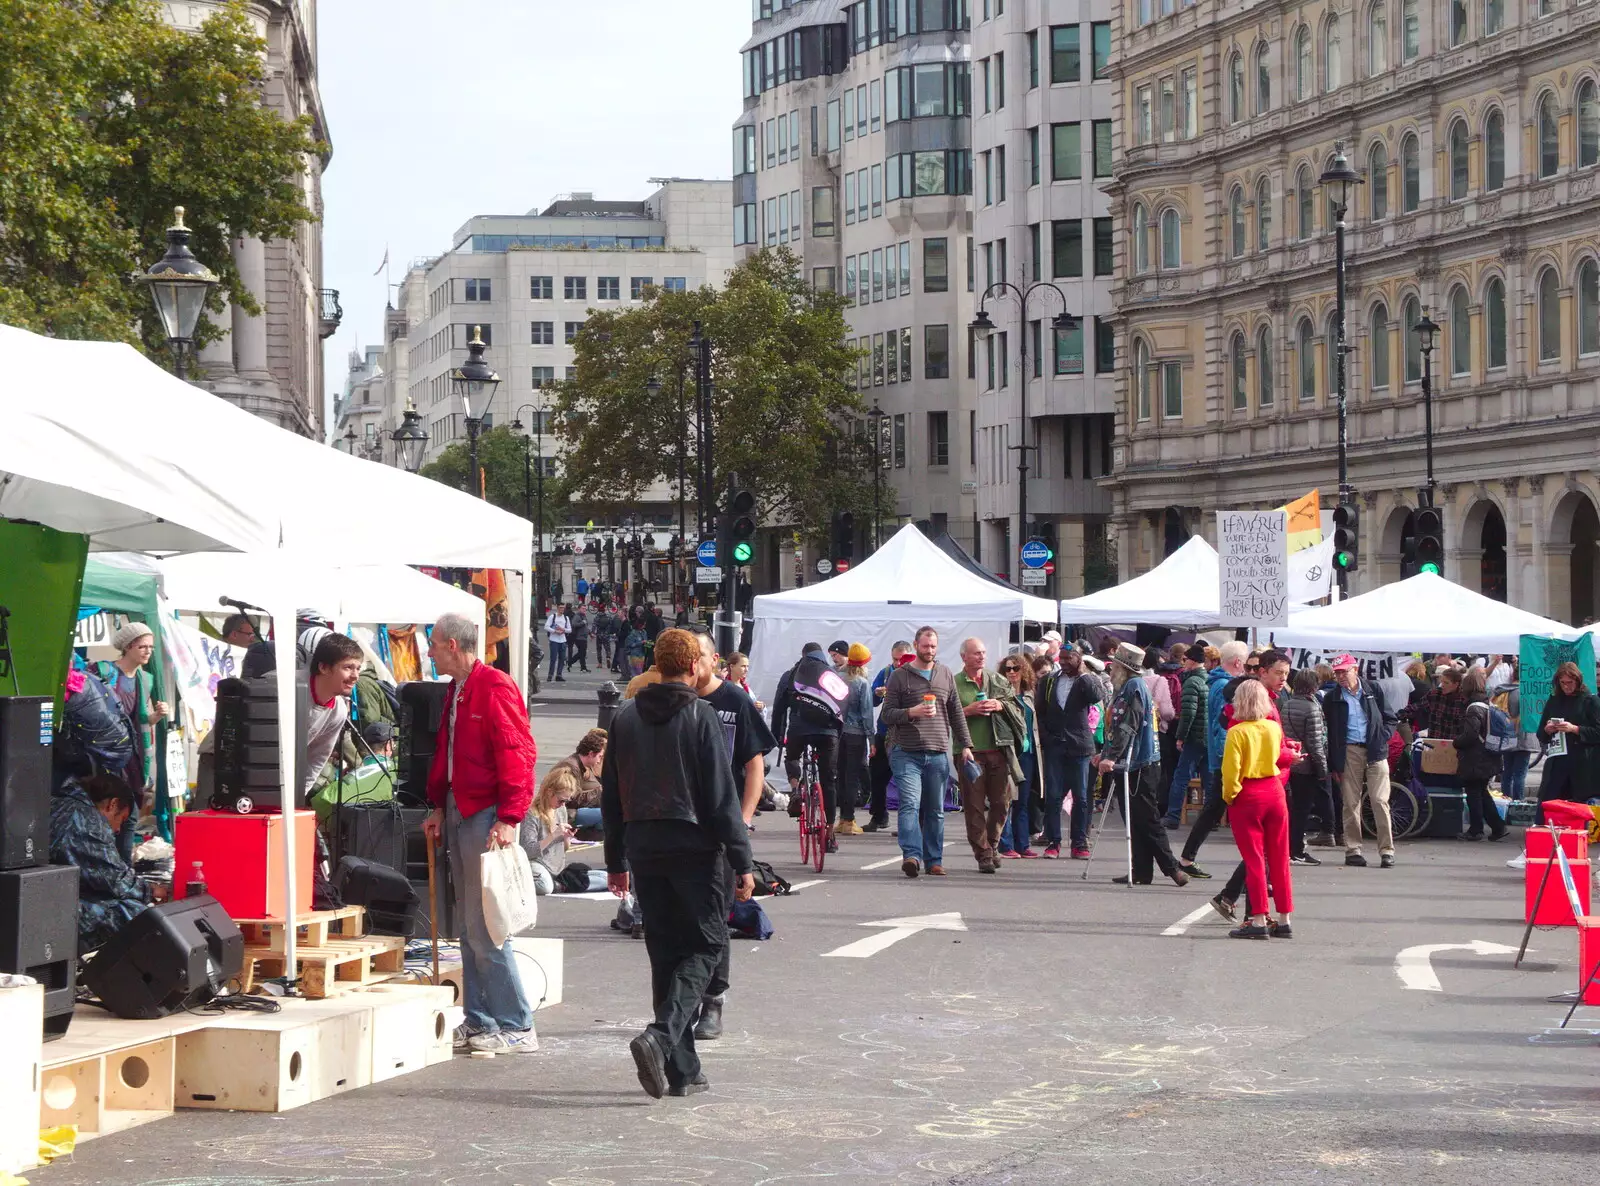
(1169, 112)
(1410, 314)
(1236, 222)
(1066, 152)
(1102, 148)
(1067, 347)
(1033, 156)
(1378, 348)
(1171, 240)
(863, 191)
(1035, 253)
(905, 268)
(1264, 387)
(1103, 253)
(849, 279)
(572, 330)
(540, 288)
(1141, 240)
(1410, 174)
(477, 290)
(875, 103)
(938, 438)
(1105, 346)
(825, 279)
(1458, 161)
(1588, 307)
(987, 66)
(1263, 81)
(1302, 203)
(905, 355)
(608, 288)
(783, 139)
(1410, 31)
(783, 218)
(1549, 316)
(900, 440)
(849, 114)
(1377, 39)
(575, 288)
(1494, 151)
(637, 286)
(745, 224)
(935, 265)
(999, 173)
(1033, 58)
(1236, 373)
(1144, 116)
(1065, 63)
(877, 191)
(544, 333)
(1066, 248)
(822, 211)
(1100, 35)
(877, 360)
(1460, 333)
(1236, 111)
(1494, 311)
(833, 125)
(1172, 390)
(543, 377)
(1458, 21)
(1305, 360)
(1332, 56)
(999, 81)
(1263, 214)
(849, 198)
(877, 274)
(1188, 105)
(1588, 126)
(1141, 380)
(1378, 180)
(1494, 17)
(936, 352)
(1549, 138)
(1304, 74)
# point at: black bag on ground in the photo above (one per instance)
(768, 881)
(574, 879)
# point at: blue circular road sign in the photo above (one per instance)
(1035, 554)
(706, 553)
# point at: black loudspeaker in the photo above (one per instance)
(27, 731)
(423, 704)
(39, 935)
(247, 777)
(170, 957)
(390, 899)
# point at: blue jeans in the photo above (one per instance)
(1015, 836)
(920, 779)
(1064, 773)
(1514, 773)
(492, 987)
(558, 659)
(1191, 761)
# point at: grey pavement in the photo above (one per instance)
(1062, 1037)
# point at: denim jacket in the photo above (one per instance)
(1131, 735)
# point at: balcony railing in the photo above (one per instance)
(330, 312)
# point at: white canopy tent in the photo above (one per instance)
(1423, 613)
(907, 583)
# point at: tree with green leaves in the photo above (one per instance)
(510, 478)
(785, 413)
(109, 118)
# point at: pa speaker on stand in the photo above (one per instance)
(27, 732)
(39, 935)
(246, 773)
(423, 704)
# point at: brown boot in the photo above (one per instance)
(935, 870)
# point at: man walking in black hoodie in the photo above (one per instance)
(672, 815)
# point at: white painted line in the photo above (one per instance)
(1415, 968)
(1188, 920)
(800, 885)
(883, 864)
(898, 929)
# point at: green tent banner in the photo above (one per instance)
(41, 572)
(1539, 657)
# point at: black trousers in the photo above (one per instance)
(719, 978)
(685, 913)
(852, 773)
(1210, 816)
(1481, 808)
(1149, 834)
(579, 653)
(878, 769)
(827, 747)
(1308, 796)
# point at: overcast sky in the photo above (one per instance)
(442, 109)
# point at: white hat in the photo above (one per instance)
(1052, 636)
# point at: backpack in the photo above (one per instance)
(746, 920)
(768, 880)
(1501, 735)
(95, 736)
(1174, 690)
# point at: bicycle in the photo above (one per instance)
(813, 821)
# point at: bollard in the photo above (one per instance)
(610, 701)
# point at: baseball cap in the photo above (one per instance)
(1345, 663)
(377, 732)
(1051, 636)
(839, 647)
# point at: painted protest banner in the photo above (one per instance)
(199, 663)
(1539, 657)
(1253, 568)
(1387, 671)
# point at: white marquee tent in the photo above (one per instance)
(907, 583)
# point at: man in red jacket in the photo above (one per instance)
(480, 785)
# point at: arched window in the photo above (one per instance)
(1549, 316)
(1330, 355)
(1494, 311)
(1236, 222)
(1377, 39)
(1494, 151)
(1460, 333)
(1263, 81)
(1141, 239)
(1410, 31)
(1302, 203)
(1304, 82)
(1263, 214)
(1142, 379)
(1378, 179)
(1549, 138)
(1458, 21)
(1494, 17)
(1332, 56)
(1171, 240)
(1410, 314)
(1378, 348)
(1264, 368)
(1236, 110)
(1588, 124)
(1305, 360)
(1589, 307)
(1458, 160)
(1410, 174)
(1237, 373)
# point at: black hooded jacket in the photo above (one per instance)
(666, 789)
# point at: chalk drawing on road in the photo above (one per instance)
(736, 1120)
(301, 1150)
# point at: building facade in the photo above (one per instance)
(854, 151)
(271, 364)
(1476, 127)
(362, 413)
(1043, 103)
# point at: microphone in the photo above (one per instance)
(244, 606)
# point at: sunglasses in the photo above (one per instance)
(1010, 669)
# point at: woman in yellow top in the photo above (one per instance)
(1252, 786)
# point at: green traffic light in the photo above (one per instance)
(1430, 567)
(1343, 560)
(742, 551)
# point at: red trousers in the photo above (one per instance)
(1260, 821)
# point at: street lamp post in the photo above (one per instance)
(700, 354)
(982, 327)
(350, 440)
(535, 439)
(877, 416)
(410, 439)
(475, 383)
(1341, 177)
(1425, 331)
(179, 285)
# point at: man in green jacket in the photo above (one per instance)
(1190, 731)
(986, 799)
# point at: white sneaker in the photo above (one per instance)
(463, 1036)
(1518, 862)
(505, 1042)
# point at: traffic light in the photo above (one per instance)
(1346, 537)
(741, 524)
(1429, 531)
(1045, 533)
(844, 536)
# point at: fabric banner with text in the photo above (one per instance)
(1539, 657)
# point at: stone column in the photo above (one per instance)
(250, 333)
(217, 358)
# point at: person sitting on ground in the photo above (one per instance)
(1252, 786)
(86, 814)
(545, 829)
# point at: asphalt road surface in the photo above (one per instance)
(1062, 1036)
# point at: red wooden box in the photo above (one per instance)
(242, 857)
(1554, 908)
(1540, 843)
(1588, 956)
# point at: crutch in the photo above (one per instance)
(1095, 831)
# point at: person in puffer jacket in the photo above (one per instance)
(1308, 778)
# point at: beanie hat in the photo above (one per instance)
(129, 633)
(839, 647)
(859, 655)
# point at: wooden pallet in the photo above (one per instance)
(313, 928)
(335, 966)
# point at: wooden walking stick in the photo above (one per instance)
(433, 919)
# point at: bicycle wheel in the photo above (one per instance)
(807, 768)
(819, 839)
(1407, 816)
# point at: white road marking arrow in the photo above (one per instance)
(1415, 968)
(898, 929)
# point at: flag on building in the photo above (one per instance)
(1305, 521)
(385, 264)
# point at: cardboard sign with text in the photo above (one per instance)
(1253, 568)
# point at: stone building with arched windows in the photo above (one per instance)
(1475, 125)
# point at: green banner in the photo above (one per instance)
(41, 572)
(1539, 658)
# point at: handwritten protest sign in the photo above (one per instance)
(1253, 555)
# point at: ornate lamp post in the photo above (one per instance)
(475, 383)
(179, 285)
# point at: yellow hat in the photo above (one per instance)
(859, 655)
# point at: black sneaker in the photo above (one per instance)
(1280, 930)
(691, 1087)
(1249, 931)
(1386, 860)
(1304, 858)
(1356, 859)
(1195, 871)
(1223, 907)
(875, 825)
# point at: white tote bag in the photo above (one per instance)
(510, 905)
